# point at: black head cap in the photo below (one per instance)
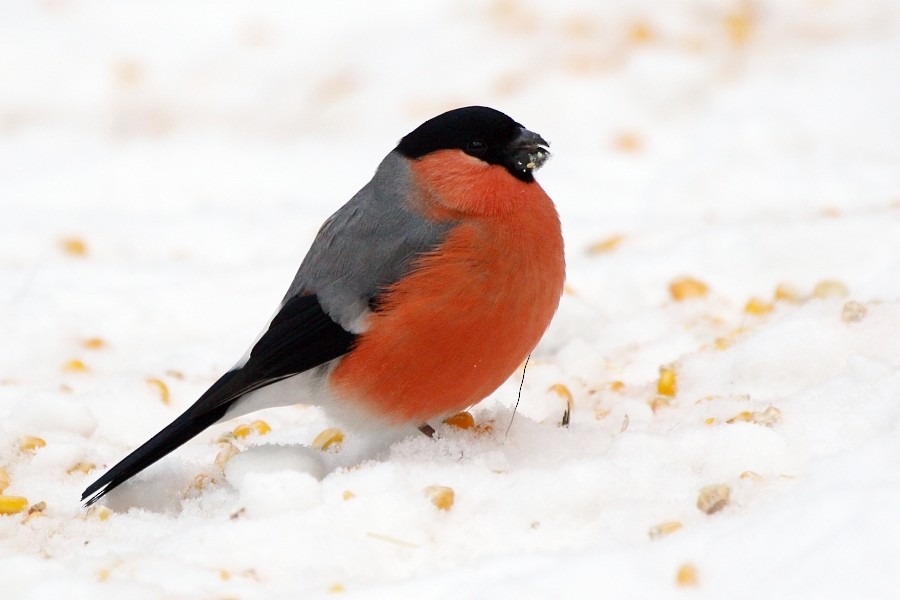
(481, 132)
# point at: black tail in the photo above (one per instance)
(301, 336)
(173, 436)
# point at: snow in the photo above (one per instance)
(195, 147)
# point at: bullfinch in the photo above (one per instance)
(417, 299)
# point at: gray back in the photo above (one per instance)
(367, 245)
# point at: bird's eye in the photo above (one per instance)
(476, 148)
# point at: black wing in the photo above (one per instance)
(300, 337)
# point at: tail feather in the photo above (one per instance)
(171, 437)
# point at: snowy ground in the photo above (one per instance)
(165, 166)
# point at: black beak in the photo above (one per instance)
(526, 152)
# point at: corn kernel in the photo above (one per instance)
(660, 402)
(93, 343)
(606, 245)
(75, 366)
(563, 392)
(664, 529)
(161, 387)
(709, 421)
(687, 287)
(462, 420)
(261, 427)
(99, 512)
(686, 576)
(830, 289)
(616, 386)
(73, 246)
(752, 476)
(742, 417)
(667, 385)
(4, 479)
(30, 443)
(348, 495)
(853, 312)
(441, 496)
(722, 343)
(34, 511)
(10, 505)
(713, 498)
(640, 33)
(786, 293)
(330, 439)
(242, 431)
(82, 467)
(755, 306)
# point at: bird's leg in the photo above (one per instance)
(427, 430)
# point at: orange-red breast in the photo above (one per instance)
(417, 299)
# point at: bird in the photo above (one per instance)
(417, 299)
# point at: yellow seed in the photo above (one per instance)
(440, 496)
(10, 505)
(768, 417)
(242, 431)
(99, 512)
(709, 421)
(30, 443)
(82, 467)
(664, 529)
(687, 287)
(755, 306)
(462, 420)
(336, 588)
(742, 417)
(830, 289)
(4, 479)
(226, 454)
(786, 293)
(601, 412)
(330, 439)
(34, 511)
(853, 312)
(667, 385)
(93, 343)
(616, 386)
(261, 427)
(606, 245)
(660, 402)
(686, 576)
(752, 476)
(73, 246)
(722, 343)
(75, 366)
(161, 387)
(640, 33)
(348, 495)
(102, 575)
(713, 498)
(626, 141)
(224, 575)
(563, 392)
